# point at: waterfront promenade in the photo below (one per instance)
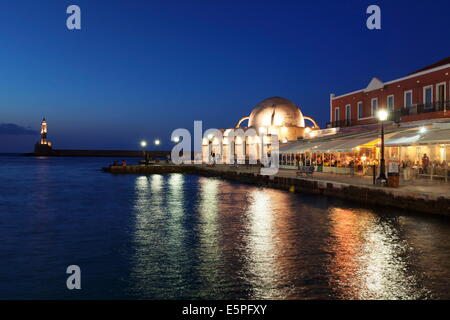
(419, 186)
(421, 196)
(426, 187)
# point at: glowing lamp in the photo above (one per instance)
(382, 115)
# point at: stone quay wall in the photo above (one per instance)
(367, 195)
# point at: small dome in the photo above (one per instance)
(276, 111)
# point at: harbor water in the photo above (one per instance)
(181, 236)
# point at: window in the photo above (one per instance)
(428, 96)
(390, 103)
(336, 114)
(440, 92)
(408, 99)
(360, 110)
(348, 112)
(374, 107)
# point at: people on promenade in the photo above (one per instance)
(308, 161)
(407, 169)
(425, 163)
(124, 163)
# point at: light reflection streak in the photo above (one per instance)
(210, 257)
(246, 242)
(149, 220)
(383, 271)
(162, 261)
(370, 259)
(175, 207)
(261, 243)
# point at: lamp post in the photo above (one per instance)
(143, 145)
(382, 116)
(157, 142)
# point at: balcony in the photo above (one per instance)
(341, 123)
(392, 116)
(396, 115)
(424, 108)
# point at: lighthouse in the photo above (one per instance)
(43, 147)
(44, 132)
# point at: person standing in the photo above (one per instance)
(425, 163)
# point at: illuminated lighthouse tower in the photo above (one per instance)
(43, 147)
(44, 132)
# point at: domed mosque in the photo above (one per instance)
(272, 116)
(279, 116)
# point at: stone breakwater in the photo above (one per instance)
(367, 195)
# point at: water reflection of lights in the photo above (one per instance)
(370, 259)
(209, 202)
(211, 259)
(175, 201)
(239, 241)
(148, 197)
(149, 210)
(262, 253)
(383, 269)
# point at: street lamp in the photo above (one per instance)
(143, 145)
(176, 139)
(157, 142)
(382, 116)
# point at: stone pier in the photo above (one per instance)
(400, 198)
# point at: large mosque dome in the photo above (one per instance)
(276, 111)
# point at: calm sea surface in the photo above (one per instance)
(180, 237)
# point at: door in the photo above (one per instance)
(348, 115)
(440, 96)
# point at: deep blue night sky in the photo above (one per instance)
(139, 69)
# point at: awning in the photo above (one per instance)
(289, 147)
(285, 146)
(297, 147)
(325, 146)
(435, 137)
(350, 145)
(404, 138)
(330, 145)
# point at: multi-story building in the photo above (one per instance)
(421, 95)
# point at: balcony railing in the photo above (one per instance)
(425, 108)
(341, 123)
(397, 114)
